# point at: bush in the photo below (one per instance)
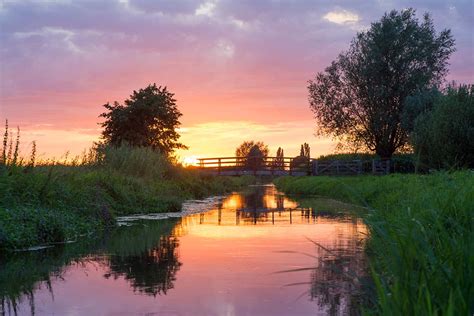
(444, 137)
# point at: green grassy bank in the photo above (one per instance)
(421, 245)
(57, 202)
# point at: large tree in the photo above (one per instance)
(359, 98)
(250, 147)
(149, 118)
(251, 154)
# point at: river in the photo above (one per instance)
(255, 252)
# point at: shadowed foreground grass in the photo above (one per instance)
(421, 246)
(56, 202)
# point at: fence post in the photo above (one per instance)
(387, 170)
(359, 166)
(373, 166)
(219, 166)
(315, 167)
(289, 166)
(337, 167)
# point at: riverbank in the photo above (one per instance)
(56, 202)
(421, 246)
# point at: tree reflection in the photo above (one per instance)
(151, 272)
(339, 279)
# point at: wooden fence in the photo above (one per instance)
(298, 166)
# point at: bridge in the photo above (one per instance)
(292, 166)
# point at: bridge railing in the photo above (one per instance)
(270, 165)
(291, 166)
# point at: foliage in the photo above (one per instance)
(416, 105)
(245, 149)
(305, 151)
(360, 97)
(54, 202)
(278, 162)
(421, 237)
(444, 136)
(149, 118)
(252, 154)
(303, 160)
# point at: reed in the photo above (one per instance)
(57, 200)
(421, 246)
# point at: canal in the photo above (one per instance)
(255, 252)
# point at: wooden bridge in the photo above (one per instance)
(297, 166)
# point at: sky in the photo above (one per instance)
(239, 69)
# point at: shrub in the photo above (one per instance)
(444, 137)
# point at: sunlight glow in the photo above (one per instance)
(190, 161)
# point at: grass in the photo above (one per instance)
(54, 202)
(421, 246)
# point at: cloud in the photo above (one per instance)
(206, 9)
(225, 60)
(63, 35)
(224, 49)
(341, 17)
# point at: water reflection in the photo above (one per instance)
(151, 272)
(223, 261)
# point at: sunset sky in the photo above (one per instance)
(239, 69)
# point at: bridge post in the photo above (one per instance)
(289, 166)
(315, 167)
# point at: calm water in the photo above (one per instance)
(251, 253)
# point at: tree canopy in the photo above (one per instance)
(149, 118)
(250, 147)
(360, 97)
(443, 137)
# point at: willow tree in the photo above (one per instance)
(149, 118)
(359, 98)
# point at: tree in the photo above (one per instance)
(278, 161)
(444, 136)
(302, 161)
(149, 118)
(251, 154)
(244, 149)
(360, 97)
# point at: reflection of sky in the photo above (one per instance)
(239, 68)
(226, 268)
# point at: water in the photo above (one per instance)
(251, 253)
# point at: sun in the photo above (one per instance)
(190, 161)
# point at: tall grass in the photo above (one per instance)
(57, 200)
(421, 245)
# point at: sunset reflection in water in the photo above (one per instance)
(256, 253)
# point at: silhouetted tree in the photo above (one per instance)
(360, 97)
(149, 118)
(244, 149)
(302, 161)
(278, 162)
(251, 154)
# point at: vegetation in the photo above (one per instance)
(148, 119)
(360, 97)
(278, 162)
(302, 161)
(443, 131)
(251, 147)
(421, 237)
(55, 202)
(252, 154)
